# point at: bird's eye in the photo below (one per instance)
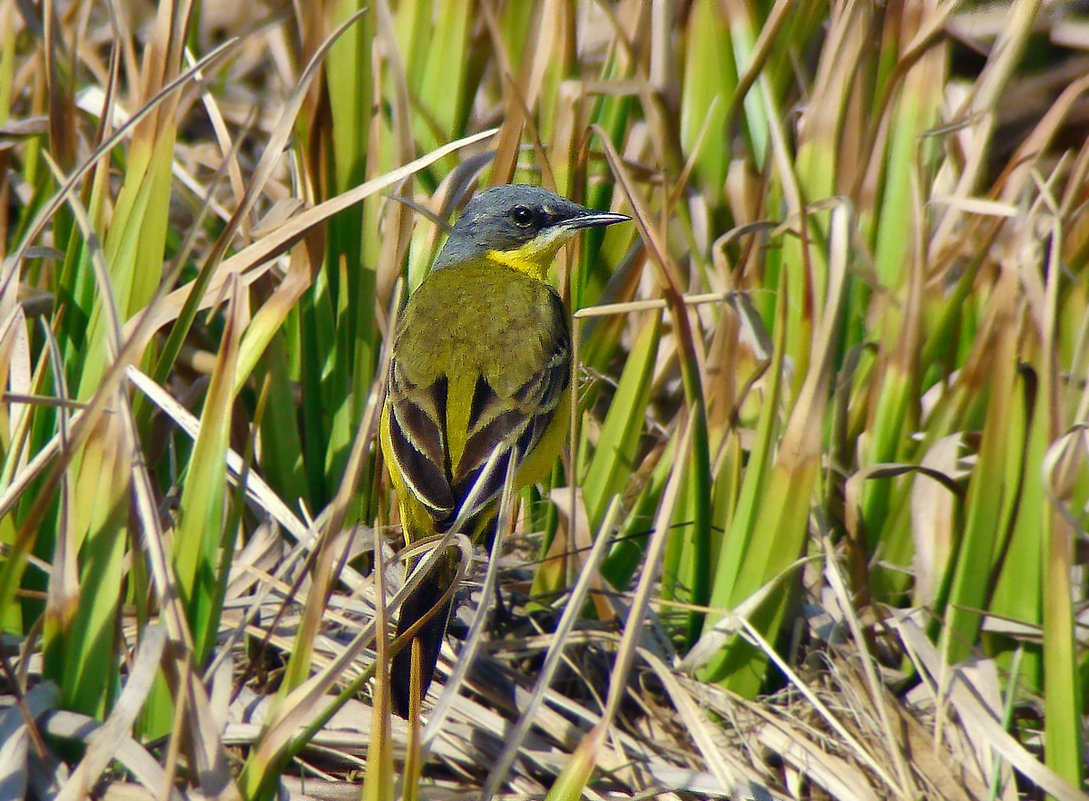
(522, 216)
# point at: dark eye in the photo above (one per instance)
(522, 216)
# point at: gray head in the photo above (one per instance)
(519, 225)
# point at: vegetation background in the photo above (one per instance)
(821, 530)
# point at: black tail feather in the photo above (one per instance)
(426, 595)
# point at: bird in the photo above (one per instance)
(478, 376)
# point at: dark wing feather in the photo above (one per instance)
(416, 428)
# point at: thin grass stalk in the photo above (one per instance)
(897, 308)
(700, 465)
(1064, 735)
(989, 488)
(378, 781)
(76, 648)
(710, 80)
(422, 743)
(498, 774)
(618, 441)
(345, 364)
(576, 773)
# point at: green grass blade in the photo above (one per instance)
(200, 531)
(613, 458)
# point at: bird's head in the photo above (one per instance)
(520, 226)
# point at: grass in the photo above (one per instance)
(819, 531)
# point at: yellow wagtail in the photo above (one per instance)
(479, 376)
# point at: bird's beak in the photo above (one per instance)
(593, 219)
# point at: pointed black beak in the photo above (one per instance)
(593, 219)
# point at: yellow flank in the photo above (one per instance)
(537, 465)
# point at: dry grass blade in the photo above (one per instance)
(978, 717)
(498, 774)
(876, 688)
(49, 210)
(577, 771)
(254, 260)
(15, 373)
(103, 744)
(734, 623)
(18, 740)
(378, 782)
(473, 640)
(725, 767)
(836, 776)
(256, 487)
(142, 765)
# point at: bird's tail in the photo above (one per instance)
(428, 640)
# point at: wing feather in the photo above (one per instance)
(417, 434)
